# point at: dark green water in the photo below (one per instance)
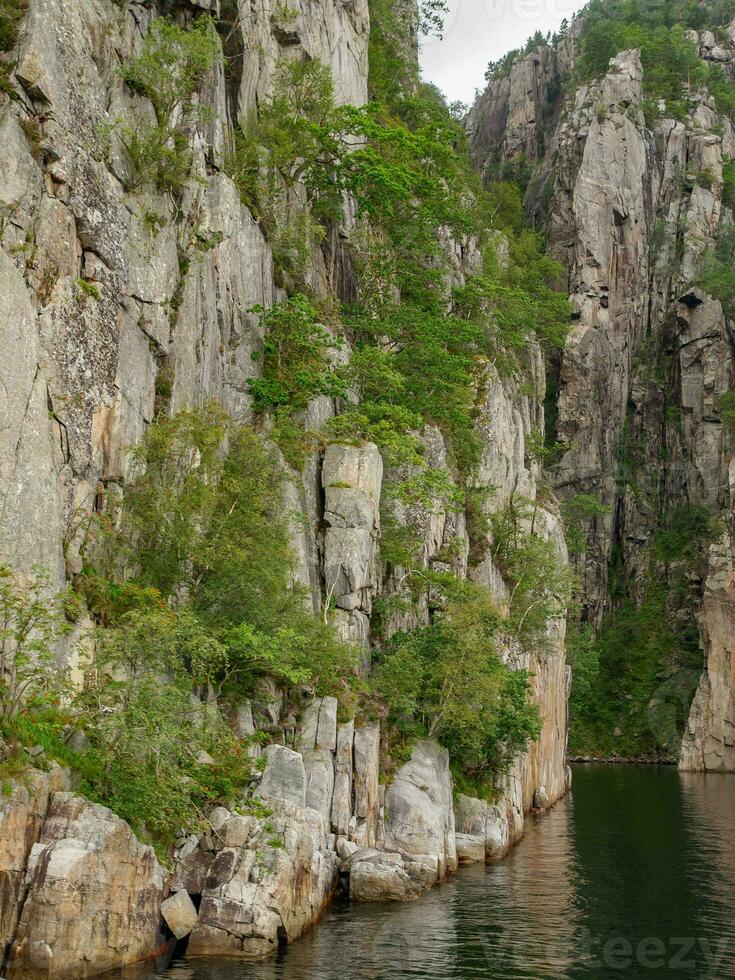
(632, 875)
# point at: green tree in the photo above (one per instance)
(31, 624)
(447, 681)
(203, 528)
(296, 358)
(170, 71)
(147, 731)
(541, 585)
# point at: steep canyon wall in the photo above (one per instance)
(629, 209)
(103, 308)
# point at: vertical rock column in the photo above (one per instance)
(317, 743)
(352, 477)
(709, 739)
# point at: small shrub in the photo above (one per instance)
(11, 15)
(296, 357)
(90, 289)
(170, 72)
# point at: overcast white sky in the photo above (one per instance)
(479, 31)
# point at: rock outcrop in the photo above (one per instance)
(80, 894)
(418, 822)
(482, 830)
(22, 815)
(709, 738)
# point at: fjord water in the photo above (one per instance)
(632, 875)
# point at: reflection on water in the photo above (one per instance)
(632, 875)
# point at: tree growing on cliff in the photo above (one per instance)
(541, 584)
(154, 752)
(170, 72)
(203, 529)
(448, 681)
(31, 623)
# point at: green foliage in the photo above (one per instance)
(431, 17)
(716, 273)
(429, 486)
(727, 412)
(518, 300)
(419, 359)
(147, 730)
(541, 585)
(634, 685)
(191, 580)
(583, 656)
(542, 451)
(169, 71)
(501, 68)
(448, 682)
(579, 512)
(705, 178)
(728, 182)
(173, 492)
(31, 623)
(720, 85)
(172, 66)
(287, 162)
(434, 360)
(204, 518)
(688, 529)
(671, 63)
(297, 157)
(639, 654)
(89, 288)
(297, 365)
(391, 71)
(11, 14)
(404, 162)
(296, 357)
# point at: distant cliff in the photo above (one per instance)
(630, 177)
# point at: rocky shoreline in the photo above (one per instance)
(81, 895)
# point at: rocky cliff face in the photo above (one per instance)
(629, 209)
(102, 308)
